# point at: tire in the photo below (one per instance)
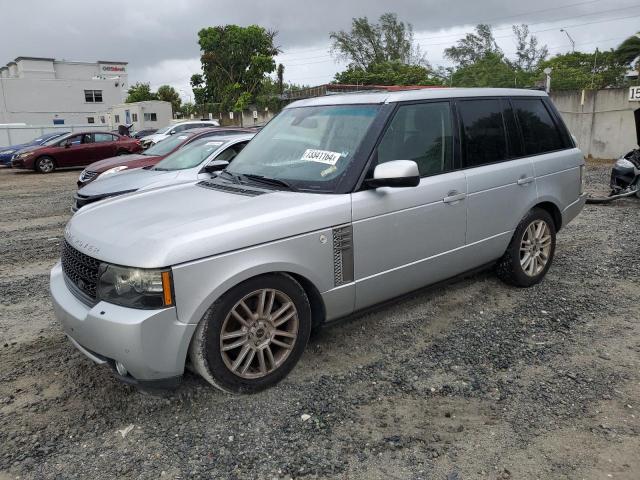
(264, 362)
(515, 267)
(45, 165)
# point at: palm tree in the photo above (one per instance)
(629, 50)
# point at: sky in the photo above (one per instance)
(159, 38)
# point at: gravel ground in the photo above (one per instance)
(470, 380)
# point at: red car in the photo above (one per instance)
(74, 150)
(153, 154)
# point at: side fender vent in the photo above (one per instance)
(343, 255)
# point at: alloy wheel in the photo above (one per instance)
(535, 248)
(259, 333)
(45, 165)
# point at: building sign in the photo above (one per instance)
(634, 94)
(113, 68)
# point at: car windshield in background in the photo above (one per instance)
(165, 146)
(307, 146)
(55, 140)
(190, 156)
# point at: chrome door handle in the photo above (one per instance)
(525, 180)
(454, 197)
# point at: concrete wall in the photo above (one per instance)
(601, 120)
(16, 134)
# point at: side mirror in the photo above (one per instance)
(172, 132)
(397, 173)
(216, 166)
(66, 144)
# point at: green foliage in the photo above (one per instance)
(140, 92)
(168, 94)
(388, 73)
(376, 43)
(473, 47)
(187, 108)
(578, 70)
(235, 62)
(492, 70)
(629, 50)
(528, 53)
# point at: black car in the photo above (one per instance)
(143, 133)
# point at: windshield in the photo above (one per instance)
(165, 146)
(190, 156)
(308, 146)
(55, 140)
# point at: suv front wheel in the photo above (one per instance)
(253, 335)
(530, 253)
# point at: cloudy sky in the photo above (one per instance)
(159, 38)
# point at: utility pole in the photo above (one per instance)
(573, 43)
(547, 72)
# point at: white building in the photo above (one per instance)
(45, 91)
(143, 115)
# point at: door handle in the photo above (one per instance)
(524, 180)
(454, 196)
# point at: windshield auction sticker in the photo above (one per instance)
(321, 156)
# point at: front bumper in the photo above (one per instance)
(151, 344)
(574, 209)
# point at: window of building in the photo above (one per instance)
(93, 96)
(539, 132)
(103, 137)
(102, 119)
(484, 135)
(422, 133)
(116, 118)
(150, 117)
(91, 120)
(134, 117)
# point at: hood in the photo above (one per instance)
(177, 224)
(127, 180)
(156, 137)
(30, 148)
(132, 161)
(15, 147)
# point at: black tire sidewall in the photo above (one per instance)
(217, 314)
(37, 164)
(518, 274)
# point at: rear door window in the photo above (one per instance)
(484, 135)
(539, 131)
(422, 133)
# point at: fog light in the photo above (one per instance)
(121, 369)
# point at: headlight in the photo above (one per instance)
(114, 170)
(7, 152)
(135, 287)
(624, 163)
(25, 155)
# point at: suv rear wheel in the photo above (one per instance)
(530, 253)
(253, 335)
(45, 165)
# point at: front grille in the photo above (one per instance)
(81, 270)
(231, 189)
(88, 175)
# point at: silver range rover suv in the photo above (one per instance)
(339, 203)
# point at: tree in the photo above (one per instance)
(235, 62)
(578, 70)
(473, 47)
(388, 73)
(492, 70)
(140, 92)
(168, 94)
(187, 108)
(528, 53)
(280, 75)
(366, 44)
(629, 50)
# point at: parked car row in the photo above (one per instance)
(7, 153)
(164, 133)
(228, 251)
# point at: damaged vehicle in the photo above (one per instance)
(339, 203)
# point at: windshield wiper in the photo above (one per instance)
(160, 169)
(234, 178)
(270, 181)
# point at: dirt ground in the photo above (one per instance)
(471, 380)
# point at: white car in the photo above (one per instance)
(176, 128)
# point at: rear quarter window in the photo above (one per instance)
(539, 132)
